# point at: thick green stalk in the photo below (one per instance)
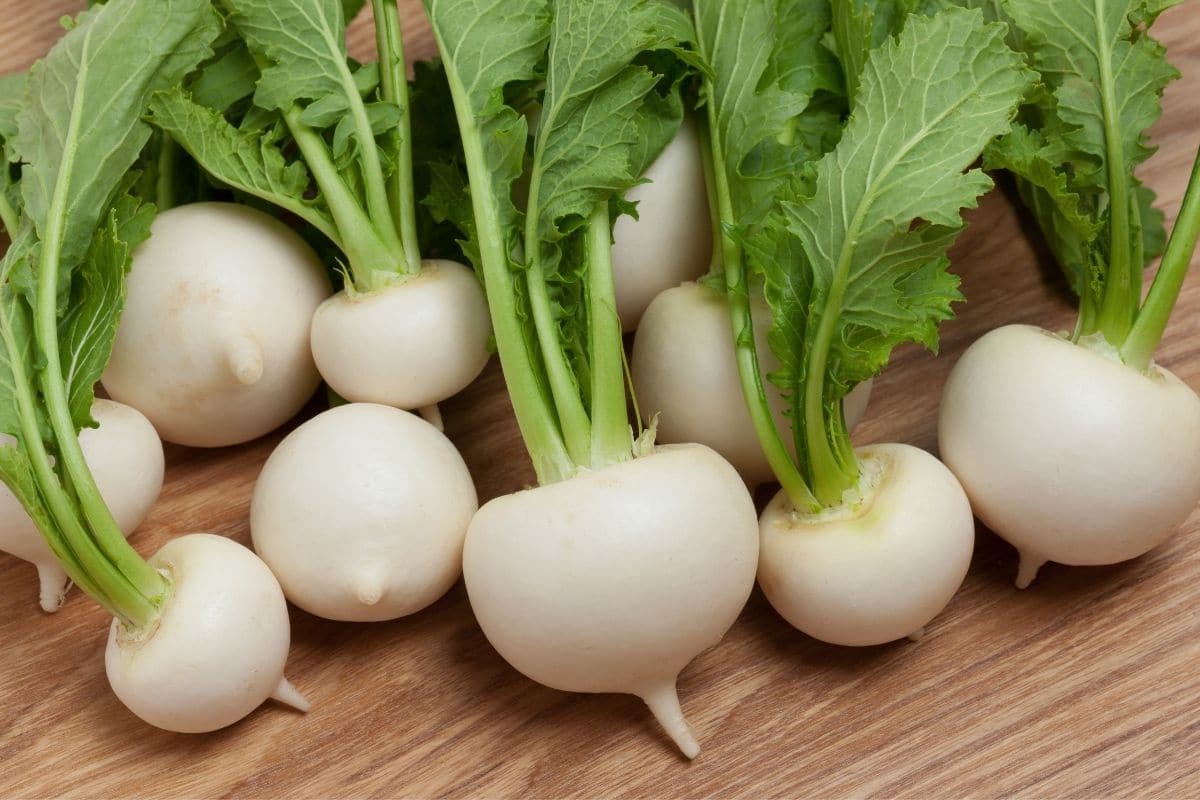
(59, 505)
(368, 255)
(535, 416)
(714, 204)
(1116, 308)
(572, 415)
(611, 439)
(107, 534)
(378, 207)
(115, 562)
(1151, 323)
(742, 320)
(389, 42)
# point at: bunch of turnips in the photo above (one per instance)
(760, 193)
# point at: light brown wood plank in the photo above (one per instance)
(1087, 685)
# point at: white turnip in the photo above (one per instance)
(671, 240)
(218, 647)
(613, 581)
(879, 567)
(361, 513)
(1066, 452)
(213, 346)
(410, 344)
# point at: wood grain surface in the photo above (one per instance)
(1086, 685)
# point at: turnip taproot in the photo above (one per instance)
(1078, 448)
(126, 457)
(217, 318)
(361, 513)
(626, 561)
(860, 547)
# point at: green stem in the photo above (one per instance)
(164, 187)
(572, 416)
(108, 538)
(742, 321)
(714, 203)
(611, 439)
(131, 584)
(535, 416)
(389, 41)
(1151, 323)
(378, 208)
(367, 254)
(1116, 308)
(58, 504)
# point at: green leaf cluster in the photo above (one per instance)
(601, 81)
(1081, 135)
(78, 131)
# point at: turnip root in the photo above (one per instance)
(213, 346)
(878, 568)
(671, 240)
(410, 344)
(1067, 453)
(684, 370)
(126, 458)
(613, 581)
(361, 513)
(218, 648)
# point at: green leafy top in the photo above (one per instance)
(316, 117)
(859, 26)
(853, 252)
(1081, 136)
(774, 100)
(79, 131)
(611, 76)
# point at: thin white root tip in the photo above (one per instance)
(1028, 570)
(246, 361)
(664, 704)
(290, 696)
(53, 586)
(369, 590)
(917, 635)
(433, 415)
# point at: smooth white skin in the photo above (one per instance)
(126, 459)
(1067, 453)
(879, 571)
(671, 240)
(213, 345)
(219, 647)
(613, 581)
(409, 345)
(361, 513)
(685, 370)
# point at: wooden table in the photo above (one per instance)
(1086, 685)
